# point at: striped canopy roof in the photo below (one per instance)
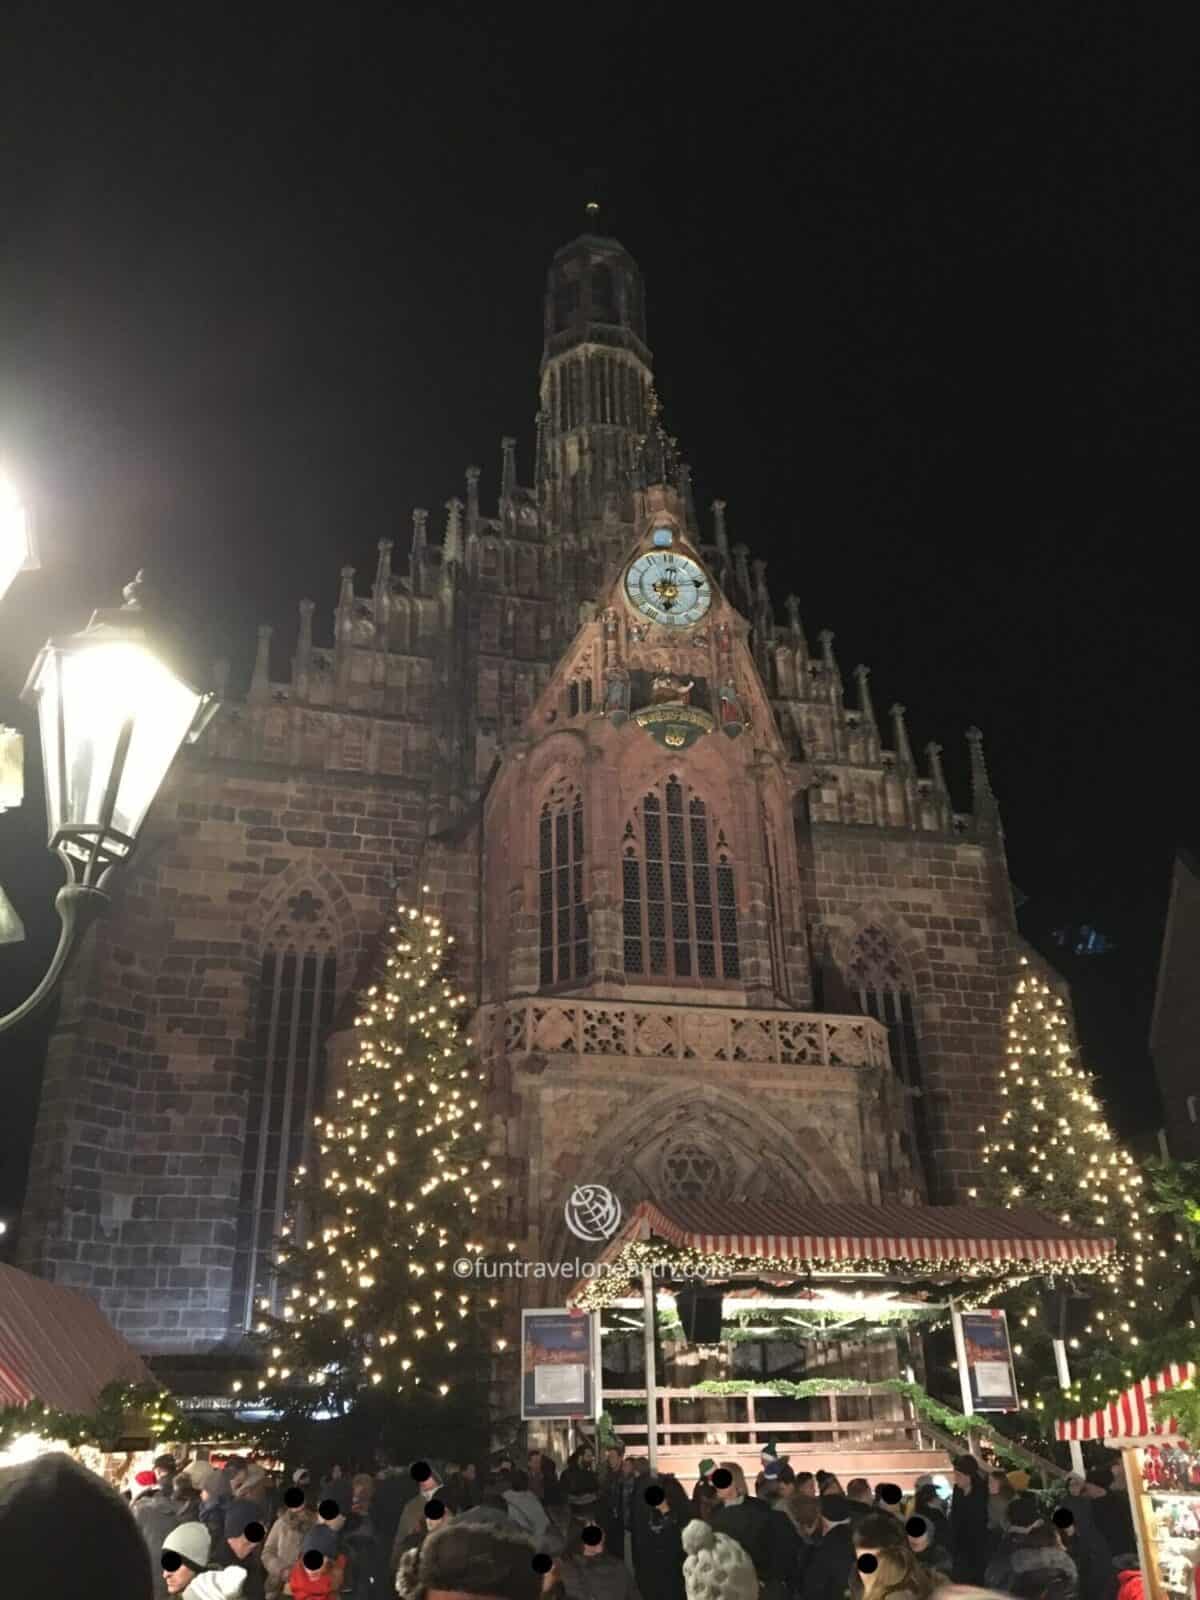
(828, 1233)
(1129, 1416)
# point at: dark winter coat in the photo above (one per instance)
(1033, 1566)
(969, 1532)
(1115, 1522)
(581, 1489)
(749, 1522)
(936, 1558)
(658, 1544)
(598, 1578)
(156, 1514)
(256, 1575)
(829, 1569)
(546, 1485)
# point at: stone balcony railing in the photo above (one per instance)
(541, 1025)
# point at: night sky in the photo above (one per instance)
(921, 290)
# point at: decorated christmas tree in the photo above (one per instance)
(370, 1312)
(1054, 1151)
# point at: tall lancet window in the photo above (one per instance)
(680, 902)
(877, 976)
(295, 1010)
(562, 891)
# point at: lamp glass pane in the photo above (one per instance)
(93, 690)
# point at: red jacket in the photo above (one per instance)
(322, 1585)
(1129, 1585)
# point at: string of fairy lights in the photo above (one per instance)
(365, 1293)
(1054, 1150)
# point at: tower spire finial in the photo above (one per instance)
(866, 707)
(904, 755)
(983, 800)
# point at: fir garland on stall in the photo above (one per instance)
(933, 1412)
(122, 1410)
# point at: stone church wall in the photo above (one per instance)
(947, 912)
(137, 1167)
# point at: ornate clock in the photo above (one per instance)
(668, 588)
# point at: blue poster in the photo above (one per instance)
(989, 1361)
(557, 1369)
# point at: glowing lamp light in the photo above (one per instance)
(113, 717)
(17, 552)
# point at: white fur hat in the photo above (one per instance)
(227, 1584)
(716, 1568)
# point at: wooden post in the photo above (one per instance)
(833, 1417)
(751, 1419)
(1147, 1548)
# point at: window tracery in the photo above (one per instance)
(679, 894)
(564, 945)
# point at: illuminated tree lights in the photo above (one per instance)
(1053, 1151)
(366, 1298)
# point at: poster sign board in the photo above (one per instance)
(985, 1362)
(558, 1369)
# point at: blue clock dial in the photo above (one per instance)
(668, 588)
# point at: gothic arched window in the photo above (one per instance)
(295, 1009)
(877, 976)
(603, 298)
(680, 905)
(562, 903)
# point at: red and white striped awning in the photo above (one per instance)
(1129, 1417)
(826, 1233)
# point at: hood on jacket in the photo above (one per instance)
(64, 1524)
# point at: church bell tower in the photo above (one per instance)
(596, 398)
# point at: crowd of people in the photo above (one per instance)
(512, 1528)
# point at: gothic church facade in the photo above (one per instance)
(727, 936)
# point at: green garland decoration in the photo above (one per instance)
(940, 1416)
(1182, 1404)
(116, 1407)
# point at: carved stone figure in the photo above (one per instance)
(668, 690)
(733, 718)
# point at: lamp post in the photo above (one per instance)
(113, 717)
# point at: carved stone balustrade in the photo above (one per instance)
(546, 1026)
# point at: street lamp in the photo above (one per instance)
(16, 541)
(113, 717)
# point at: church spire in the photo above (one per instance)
(595, 386)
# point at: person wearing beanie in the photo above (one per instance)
(66, 1534)
(1031, 1560)
(245, 1531)
(716, 1567)
(704, 1496)
(165, 1469)
(831, 1565)
(156, 1512)
(969, 1521)
(318, 1574)
(285, 1542)
(184, 1554)
(660, 1513)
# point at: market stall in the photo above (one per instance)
(1162, 1474)
(865, 1272)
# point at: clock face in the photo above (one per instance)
(669, 588)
